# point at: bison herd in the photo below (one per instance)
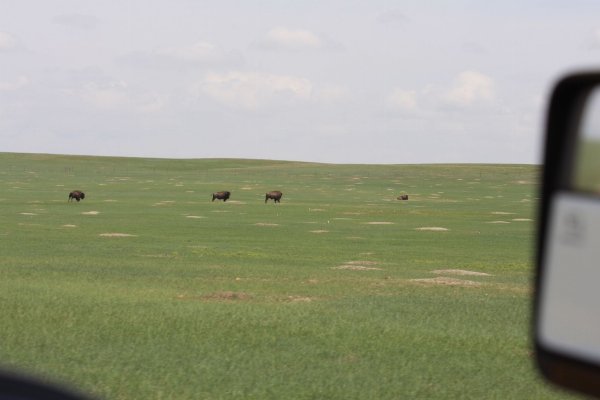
(224, 195)
(275, 195)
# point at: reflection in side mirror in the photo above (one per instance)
(567, 321)
(587, 158)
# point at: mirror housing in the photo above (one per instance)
(566, 325)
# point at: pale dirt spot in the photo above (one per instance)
(90, 213)
(352, 213)
(246, 188)
(236, 202)
(359, 266)
(265, 224)
(445, 281)
(502, 213)
(432, 228)
(459, 272)
(522, 219)
(226, 296)
(110, 201)
(299, 299)
(319, 231)
(116, 235)
(194, 216)
(498, 222)
(164, 203)
(27, 213)
(379, 223)
(69, 226)
(316, 209)
(362, 262)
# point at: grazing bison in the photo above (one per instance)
(221, 196)
(276, 196)
(403, 197)
(77, 195)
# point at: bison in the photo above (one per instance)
(221, 196)
(77, 195)
(276, 196)
(403, 197)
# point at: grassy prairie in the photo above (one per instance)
(148, 290)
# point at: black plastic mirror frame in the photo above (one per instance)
(563, 117)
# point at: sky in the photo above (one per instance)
(385, 82)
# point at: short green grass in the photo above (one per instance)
(314, 298)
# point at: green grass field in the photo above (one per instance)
(148, 290)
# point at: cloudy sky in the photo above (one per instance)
(315, 80)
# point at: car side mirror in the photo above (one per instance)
(567, 286)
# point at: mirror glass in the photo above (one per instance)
(587, 161)
(570, 287)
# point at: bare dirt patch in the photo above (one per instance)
(501, 213)
(90, 213)
(522, 219)
(459, 272)
(432, 228)
(115, 234)
(498, 222)
(359, 266)
(69, 226)
(319, 231)
(299, 299)
(194, 216)
(27, 213)
(226, 296)
(445, 281)
(164, 203)
(265, 224)
(379, 223)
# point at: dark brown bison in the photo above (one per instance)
(403, 197)
(275, 195)
(221, 196)
(77, 195)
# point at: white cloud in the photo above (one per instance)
(471, 88)
(17, 84)
(252, 90)
(290, 39)
(331, 94)
(7, 41)
(118, 96)
(404, 100)
(110, 95)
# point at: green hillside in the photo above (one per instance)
(147, 289)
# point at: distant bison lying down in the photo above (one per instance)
(221, 196)
(77, 195)
(276, 196)
(403, 197)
